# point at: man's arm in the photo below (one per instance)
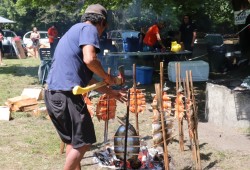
(160, 41)
(90, 59)
(117, 94)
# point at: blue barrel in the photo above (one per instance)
(144, 74)
(131, 44)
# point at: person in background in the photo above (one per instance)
(152, 40)
(53, 35)
(141, 36)
(187, 33)
(1, 46)
(35, 36)
(74, 62)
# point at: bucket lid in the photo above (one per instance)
(144, 67)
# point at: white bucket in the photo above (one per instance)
(4, 113)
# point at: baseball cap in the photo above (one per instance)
(96, 9)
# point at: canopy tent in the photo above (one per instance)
(5, 21)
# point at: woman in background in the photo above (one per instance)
(187, 33)
(35, 36)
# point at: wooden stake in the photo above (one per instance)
(107, 121)
(180, 121)
(158, 91)
(176, 78)
(126, 133)
(135, 97)
(179, 73)
(196, 140)
(190, 120)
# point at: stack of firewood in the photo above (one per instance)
(22, 103)
(29, 101)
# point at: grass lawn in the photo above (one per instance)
(26, 142)
(18, 74)
(31, 143)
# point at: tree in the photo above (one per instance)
(210, 15)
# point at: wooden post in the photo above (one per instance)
(62, 146)
(189, 112)
(180, 121)
(126, 133)
(107, 112)
(135, 97)
(196, 140)
(158, 91)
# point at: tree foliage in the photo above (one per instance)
(209, 15)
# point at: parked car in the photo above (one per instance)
(8, 36)
(119, 37)
(44, 38)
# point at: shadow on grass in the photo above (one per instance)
(205, 157)
(17, 70)
(211, 165)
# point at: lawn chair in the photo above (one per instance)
(46, 58)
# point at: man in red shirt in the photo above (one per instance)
(53, 35)
(152, 39)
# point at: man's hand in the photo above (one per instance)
(110, 80)
(119, 95)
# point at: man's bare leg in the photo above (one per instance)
(74, 157)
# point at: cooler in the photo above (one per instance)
(199, 68)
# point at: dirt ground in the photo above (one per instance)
(221, 148)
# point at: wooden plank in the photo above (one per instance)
(33, 93)
(20, 49)
(15, 99)
(29, 108)
(25, 102)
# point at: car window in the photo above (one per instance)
(27, 35)
(43, 35)
(9, 34)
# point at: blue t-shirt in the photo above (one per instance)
(68, 68)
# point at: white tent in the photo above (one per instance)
(5, 21)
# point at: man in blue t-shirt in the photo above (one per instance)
(74, 62)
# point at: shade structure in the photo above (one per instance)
(5, 20)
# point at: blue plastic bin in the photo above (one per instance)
(144, 74)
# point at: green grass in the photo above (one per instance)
(26, 142)
(17, 75)
(31, 143)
